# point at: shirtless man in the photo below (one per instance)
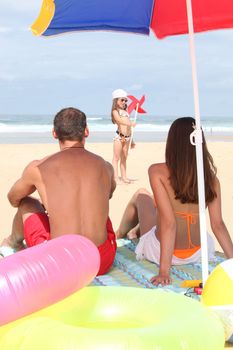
(74, 186)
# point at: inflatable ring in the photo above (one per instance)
(99, 318)
(39, 276)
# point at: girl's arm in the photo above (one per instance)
(133, 144)
(217, 224)
(167, 223)
(121, 121)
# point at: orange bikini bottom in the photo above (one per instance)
(185, 253)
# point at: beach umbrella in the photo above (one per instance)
(164, 18)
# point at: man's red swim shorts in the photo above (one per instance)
(37, 230)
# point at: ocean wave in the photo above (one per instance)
(217, 128)
(23, 128)
(139, 127)
(106, 127)
(94, 118)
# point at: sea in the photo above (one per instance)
(21, 129)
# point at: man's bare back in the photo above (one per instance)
(75, 186)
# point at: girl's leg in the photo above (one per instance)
(27, 207)
(117, 149)
(140, 214)
(124, 154)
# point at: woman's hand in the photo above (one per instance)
(163, 279)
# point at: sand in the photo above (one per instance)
(15, 157)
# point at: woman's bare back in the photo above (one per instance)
(186, 215)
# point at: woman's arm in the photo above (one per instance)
(167, 223)
(217, 224)
(121, 121)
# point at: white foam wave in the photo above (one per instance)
(217, 128)
(16, 128)
(139, 127)
(99, 127)
(94, 118)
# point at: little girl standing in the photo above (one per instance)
(122, 138)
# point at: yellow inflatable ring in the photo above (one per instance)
(107, 318)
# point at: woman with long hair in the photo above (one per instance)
(121, 141)
(168, 222)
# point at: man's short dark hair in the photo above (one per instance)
(70, 124)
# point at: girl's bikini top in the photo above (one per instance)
(123, 113)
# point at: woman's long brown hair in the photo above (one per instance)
(181, 161)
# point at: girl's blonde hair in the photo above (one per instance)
(114, 107)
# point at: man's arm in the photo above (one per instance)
(24, 186)
(113, 182)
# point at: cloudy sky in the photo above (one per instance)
(41, 75)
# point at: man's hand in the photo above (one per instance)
(163, 279)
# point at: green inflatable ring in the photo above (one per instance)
(107, 318)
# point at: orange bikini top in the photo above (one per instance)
(191, 219)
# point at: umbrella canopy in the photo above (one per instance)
(164, 17)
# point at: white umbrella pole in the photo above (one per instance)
(197, 135)
(135, 119)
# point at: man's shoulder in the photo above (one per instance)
(33, 164)
(94, 156)
(103, 161)
(30, 170)
(97, 159)
(36, 162)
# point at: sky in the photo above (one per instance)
(42, 75)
